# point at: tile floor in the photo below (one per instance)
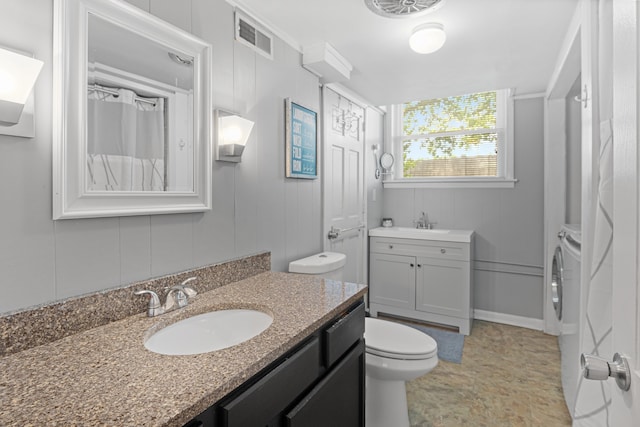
(509, 377)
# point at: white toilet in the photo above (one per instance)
(395, 353)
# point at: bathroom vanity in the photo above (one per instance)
(309, 385)
(422, 274)
(308, 365)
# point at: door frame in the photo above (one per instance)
(567, 70)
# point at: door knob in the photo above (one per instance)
(597, 368)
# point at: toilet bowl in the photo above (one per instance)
(395, 353)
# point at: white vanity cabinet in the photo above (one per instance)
(422, 278)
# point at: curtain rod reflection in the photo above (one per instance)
(114, 92)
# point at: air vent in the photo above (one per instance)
(249, 34)
(402, 8)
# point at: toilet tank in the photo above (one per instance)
(325, 264)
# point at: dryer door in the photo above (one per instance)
(557, 267)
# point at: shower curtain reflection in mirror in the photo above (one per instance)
(126, 141)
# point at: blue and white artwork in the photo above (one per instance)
(301, 128)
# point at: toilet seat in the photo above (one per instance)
(395, 341)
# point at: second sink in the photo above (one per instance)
(208, 332)
(422, 234)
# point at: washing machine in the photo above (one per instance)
(566, 297)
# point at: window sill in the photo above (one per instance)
(451, 183)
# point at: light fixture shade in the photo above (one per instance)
(18, 74)
(232, 135)
(427, 38)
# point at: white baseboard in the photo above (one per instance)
(509, 319)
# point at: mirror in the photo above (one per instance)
(386, 161)
(132, 122)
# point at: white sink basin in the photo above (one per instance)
(422, 233)
(208, 332)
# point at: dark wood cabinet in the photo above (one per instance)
(321, 382)
(264, 400)
(337, 400)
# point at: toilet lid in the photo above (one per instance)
(396, 341)
(321, 263)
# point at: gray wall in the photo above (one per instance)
(254, 207)
(375, 195)
(374, 135)
(508, 222)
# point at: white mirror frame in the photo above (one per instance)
(70, 197)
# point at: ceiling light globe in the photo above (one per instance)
(427, 38)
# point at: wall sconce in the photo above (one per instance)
(427, 38)
(18, 75)
(232, 134)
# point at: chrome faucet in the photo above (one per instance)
(423, 222)
(177, 297)
(155, 308)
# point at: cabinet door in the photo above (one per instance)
(442, 287)
(337, 400)
(274, 392)
(392, 280)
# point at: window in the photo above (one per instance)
(460, 140)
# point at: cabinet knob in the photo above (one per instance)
(390, 246)
(411, 265)
(419, 265)
(443, 251)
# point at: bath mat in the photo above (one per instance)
(450, 344)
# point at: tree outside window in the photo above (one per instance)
(457, 136)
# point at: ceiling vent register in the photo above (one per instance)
(402, 8)
(248, 33)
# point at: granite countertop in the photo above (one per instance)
(105, 376)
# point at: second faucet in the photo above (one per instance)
(423, 222)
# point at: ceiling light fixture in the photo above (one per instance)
(427, 38)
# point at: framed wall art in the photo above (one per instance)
(301, 141)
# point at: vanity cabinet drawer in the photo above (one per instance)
(265, 399)
(427, 248)
(346, 331)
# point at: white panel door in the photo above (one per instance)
(344, 208)
(625, 408)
